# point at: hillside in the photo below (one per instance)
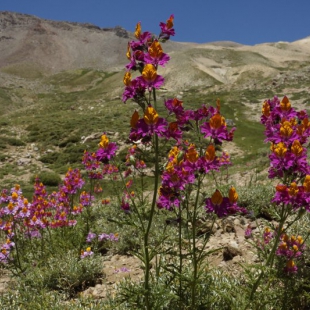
(61, 82)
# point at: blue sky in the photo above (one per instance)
(243, 21)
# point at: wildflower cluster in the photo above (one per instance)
(187, 162)
(145, 55)
(98, 242)
(288, 131)
(223, 206)
(20, 218)
(288, 249)
(97, 164)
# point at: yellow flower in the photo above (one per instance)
(293, 189)
(169, 22)
(279, 149)
(286, 129)
(138, 30)
(127, 78)
(155, 50)
(174, 152)
(150, 116)
(149, 73)
(296, 148)
(14, 195)
(128, 54)
(300, 240)
(104, 141)
(266, 109)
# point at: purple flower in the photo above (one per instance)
(122, 269)
(108, 237)
(90, 237)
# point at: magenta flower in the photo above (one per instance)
(167, 29)
(145, 127)
(155, 55)
(292, 196)
(135, 89)
(73, 182)
(86, 199)
(143, 38)
(107, 150)
(216, 129)
(267, 235)
(174, 132)
(149, 78)
(290, 267)
(174, 106)
(168, 198)
(223, 206)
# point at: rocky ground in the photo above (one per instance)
(228, 235)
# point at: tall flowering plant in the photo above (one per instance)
(287, 130)
(178, 184)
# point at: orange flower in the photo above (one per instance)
(285, 104)
(210, 153)
(134, 119)
(217, 198)
(216, 121)
(138, 30)
(233, 195)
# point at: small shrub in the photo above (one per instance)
(48, 178)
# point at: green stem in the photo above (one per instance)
(147, 258)
(136, 209)
(194, 256)
(270, 259)
(17, 249)
(180, 257)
